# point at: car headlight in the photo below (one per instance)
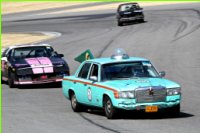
(127, 94)
(173, 91)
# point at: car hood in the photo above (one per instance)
(132, 84)
(37, 62)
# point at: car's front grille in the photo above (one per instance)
(24, 71)
(29, 71)
(40, 77)
(150, 94)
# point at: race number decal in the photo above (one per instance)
(89, 92)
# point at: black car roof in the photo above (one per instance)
(134, 3)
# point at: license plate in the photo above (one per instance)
(151, 109)
(132, 18)
(43, 77)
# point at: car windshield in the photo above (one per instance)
(31, 52)
(126, 70)
(128, 7)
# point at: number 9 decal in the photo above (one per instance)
(89, 92)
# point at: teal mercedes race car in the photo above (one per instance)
(121, 82)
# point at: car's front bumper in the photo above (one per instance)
(130, 104)
(39, 78)
(127, 19)
(38, 81)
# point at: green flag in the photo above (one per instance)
(84, 56)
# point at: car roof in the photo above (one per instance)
(110, 60)
(27, 45)
(134, 3)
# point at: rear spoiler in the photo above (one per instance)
(86, 55)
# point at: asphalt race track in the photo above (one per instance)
(170, 38)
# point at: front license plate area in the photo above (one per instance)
(151, 109)
(131, 18)
(43, 77)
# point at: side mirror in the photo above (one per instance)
(93, 78)
(162, 74)
(4, 59)
(61, 55)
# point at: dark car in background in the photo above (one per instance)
(32, 64)
(129, 12)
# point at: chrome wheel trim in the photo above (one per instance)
(108, 106)
(74, 101)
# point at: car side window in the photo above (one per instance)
(9, 54)
(94, 72)
(84, 71)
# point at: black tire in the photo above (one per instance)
(74, 103)
(11, 79)
(175, 110)
(110, 111)
(2, 81)
(120, 23)
(141, 20)
(58, 84)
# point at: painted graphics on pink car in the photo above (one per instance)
(40, 65)
(46, 61)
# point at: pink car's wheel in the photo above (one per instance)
(11, 77)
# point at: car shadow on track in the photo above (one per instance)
(39, 86)
(153, 116)
(141, 115)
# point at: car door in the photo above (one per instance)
(81, 83)
(93, 89)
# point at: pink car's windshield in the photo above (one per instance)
(31, 52)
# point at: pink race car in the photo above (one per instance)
(32, 64)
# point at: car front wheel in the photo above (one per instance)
(110, 111)
(11, 78)
(120, 23)
(141, 20)
(175, 110)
